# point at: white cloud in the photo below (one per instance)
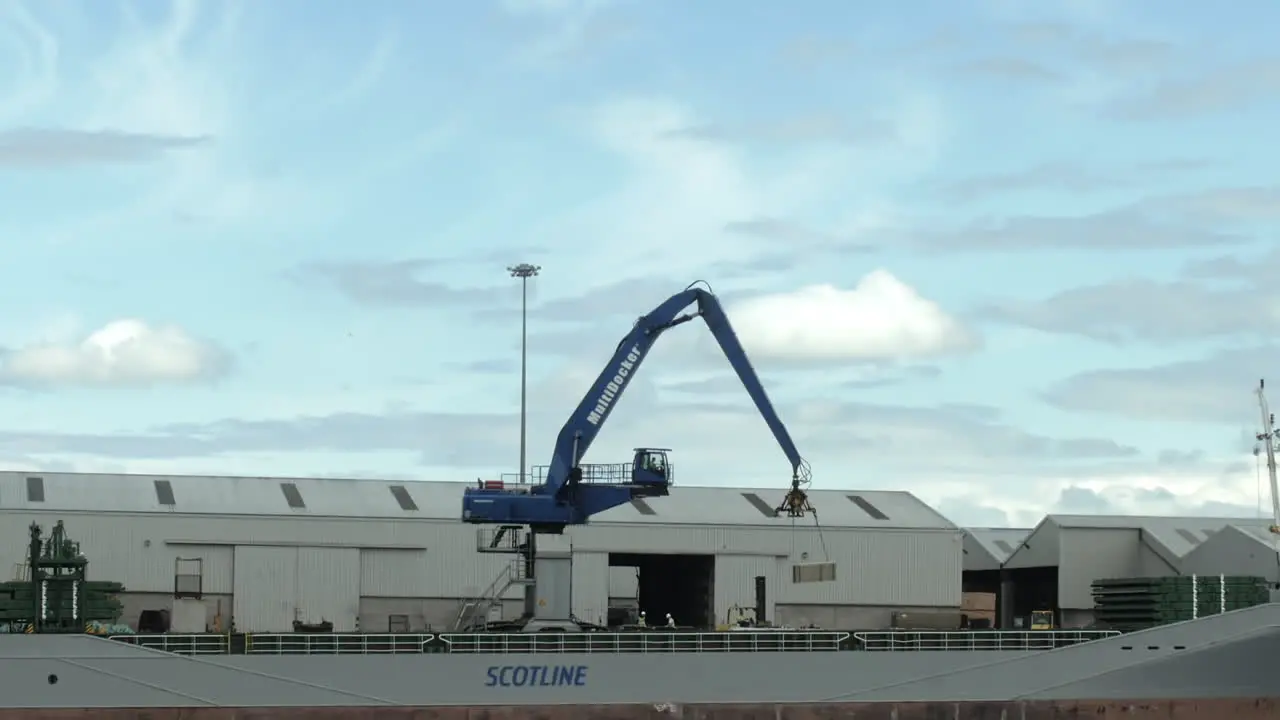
(880, 318)
(123, 352)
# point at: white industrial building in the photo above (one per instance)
(1237, 550)
(375, 555)
(1055, 566)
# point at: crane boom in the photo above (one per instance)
(566, 496)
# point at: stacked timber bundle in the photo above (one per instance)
(20, 602)
(1128, 604)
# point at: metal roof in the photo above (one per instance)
(226, 495)
(996, 544)
(1260, 532)
(1173, 537)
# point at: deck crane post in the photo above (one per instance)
(570, 492)
(1267, 443)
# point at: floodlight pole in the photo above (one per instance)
(524, 271)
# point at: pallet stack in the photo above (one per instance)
(1128, 604)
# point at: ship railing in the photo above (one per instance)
(336, 643)
(180, 644)
(643, 642)
(979, 640)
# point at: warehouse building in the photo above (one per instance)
(1055, 566)
(1237, 550)
(381, 556)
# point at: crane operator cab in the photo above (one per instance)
(651, 470)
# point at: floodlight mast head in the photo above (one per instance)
(524, 270)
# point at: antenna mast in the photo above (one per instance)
(1267, 438)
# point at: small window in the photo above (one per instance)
(760, 505)
(292, 496)
(35, 489)
(643, 507)
(813, 572)
(164, 493)
(868, 508)
(1004, 545)
(1188, 536)
(403, 498)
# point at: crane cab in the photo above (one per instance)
(651, 470)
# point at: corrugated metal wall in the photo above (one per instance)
(266, 588)
(624, 582)
(329, 586)
(1232, 552)
(394, 573)
(1088, 554)
(132, 550)
(735, 583)
(591, 586)
(899, 569)
(436, 559)
(217, 566)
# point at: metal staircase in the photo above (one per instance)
(473, 613)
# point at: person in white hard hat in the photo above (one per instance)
(641, 623)
(671, 622)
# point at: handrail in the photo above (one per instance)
(975, 640)
(180, 643)
(336, 643)
(656, 641)
(645, 642)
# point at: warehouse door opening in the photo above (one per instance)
(682, 585)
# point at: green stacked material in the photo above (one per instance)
(98, 601)
(1128, 604)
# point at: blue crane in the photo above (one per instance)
(570, 493)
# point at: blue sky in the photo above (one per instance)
(1012, 256)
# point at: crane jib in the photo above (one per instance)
(614, 386)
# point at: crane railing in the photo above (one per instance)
(599, 473)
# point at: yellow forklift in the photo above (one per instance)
(1042, 620)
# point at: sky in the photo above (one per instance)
(1014, 257)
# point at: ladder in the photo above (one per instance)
(474, 612)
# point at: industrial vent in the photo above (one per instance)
(164, 493)
(35, 489)
(292, 496)
(1188, 536)
(868, 508)
(643, 507)
(402, 497)
(1004, 545)
(813, 572)
(761, 505)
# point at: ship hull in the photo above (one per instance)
(1220, 661)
